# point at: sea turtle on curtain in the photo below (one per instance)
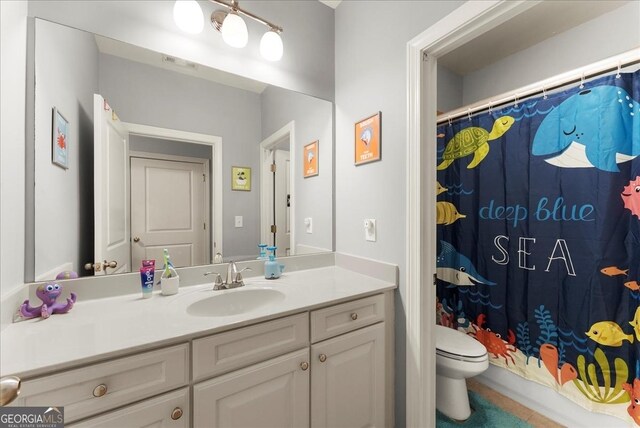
(597, 127)
(474, 140)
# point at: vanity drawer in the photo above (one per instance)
(339, 319)
(93, 389)
(228, 351)
(170, 410)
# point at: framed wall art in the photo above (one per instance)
(60, 140)
(310, 160)
(241, 178)
(368, 142)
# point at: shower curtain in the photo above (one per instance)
(538, 212)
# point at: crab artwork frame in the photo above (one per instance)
(368, 139)
(59, 140)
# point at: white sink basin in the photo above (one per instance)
(234, 302)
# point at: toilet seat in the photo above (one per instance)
(456, 345)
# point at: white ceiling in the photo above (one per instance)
(331, 3)
(538, 23)
(155, 59)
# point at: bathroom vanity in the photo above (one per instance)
(318, 353)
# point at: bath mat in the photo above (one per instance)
(485, 415)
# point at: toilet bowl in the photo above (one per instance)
(458, 357)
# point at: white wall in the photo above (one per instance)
(612, 33)
(371, 76)
(13, 52)
(449, 89)
(313, 195)
(307, 65)
(148, 95)
(67, 78)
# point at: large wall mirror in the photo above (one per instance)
(134, 151)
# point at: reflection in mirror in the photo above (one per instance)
(151, 142)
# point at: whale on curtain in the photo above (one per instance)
(597, 127)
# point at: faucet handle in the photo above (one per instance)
(217, 284)
(238, 278)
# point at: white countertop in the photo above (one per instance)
(96, 329)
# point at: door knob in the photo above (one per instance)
(93, 266)
(112, 264)
(136, 239)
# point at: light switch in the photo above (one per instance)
(308, 224)
(238, 221)
(370, 229)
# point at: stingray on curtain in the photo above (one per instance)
(538, 211)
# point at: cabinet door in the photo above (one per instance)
(348, 380)
(270, 394)
(170, 410)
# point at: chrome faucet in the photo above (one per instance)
(233, 280)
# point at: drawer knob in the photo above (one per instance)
(354, 316)
(304, 365)
(100, 390)
(323, 358)
(176, 414)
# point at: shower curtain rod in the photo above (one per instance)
(613, 63)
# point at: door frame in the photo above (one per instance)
(466, 22)
(215, 182)
(265, 146)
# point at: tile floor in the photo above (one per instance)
(507, 404)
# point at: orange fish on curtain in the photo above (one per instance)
(634, 393)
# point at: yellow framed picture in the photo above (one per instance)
(241, 178)
(310, 160)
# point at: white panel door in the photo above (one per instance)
(168, 210)
(111, 189)
(281, 203)
(348, 380)
(273, 394)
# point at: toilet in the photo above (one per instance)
(458, 357)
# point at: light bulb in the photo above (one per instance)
(188, 16)
(271, 46)
(234, 31)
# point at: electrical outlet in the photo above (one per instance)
(308, 224)
(370, 229)
(238, 221)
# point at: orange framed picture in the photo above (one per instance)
(310, 160)
(368, 143)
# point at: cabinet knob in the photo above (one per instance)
(354, 316)
(176, 413)
(322, 358)
(304, 365)
(136, 239)
(100, 390)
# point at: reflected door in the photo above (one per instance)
(281, 202)
(168, 210)
(111, 190)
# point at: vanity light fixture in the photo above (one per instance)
(188, 16)
(234, 31)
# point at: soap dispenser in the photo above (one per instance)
(272, 269)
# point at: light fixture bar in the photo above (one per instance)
(233, 5)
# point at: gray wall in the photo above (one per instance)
(612, 33)
(67, 78)
(152, 96)
(314, 195)
(13, 54)
(449, 89)
(307, 65)
(371, 76)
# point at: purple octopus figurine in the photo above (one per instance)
(48, 293)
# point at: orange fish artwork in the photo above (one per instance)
(632, 285)
(613, 271)
(631, 197)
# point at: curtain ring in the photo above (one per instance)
(582, 81)
(490, 108)
(469, 114)
(619, 69)
(544, 93)
(515, 98)
(449, 119)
